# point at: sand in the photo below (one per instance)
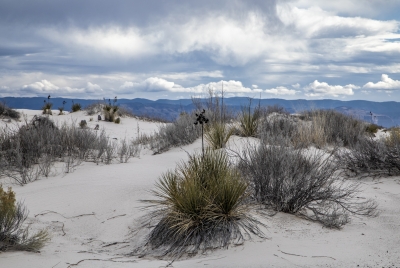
(90, 214)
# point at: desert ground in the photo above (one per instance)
(92, 212)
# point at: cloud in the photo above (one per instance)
(385, 83)
(156, 84)
(281, 91)
(45, 87)
(316, 89)
(297, 85)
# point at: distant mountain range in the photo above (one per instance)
(386, 114)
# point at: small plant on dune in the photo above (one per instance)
(249, 121)
(12, 235)
(8, 112)
(201, 206)
(302, 182)
(76, 107)
(117, 120)
(47, 106)
(218, 134)
(110, 110)
(372, 128)
(61, 109)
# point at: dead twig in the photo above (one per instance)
(49, 211)
(110, 260)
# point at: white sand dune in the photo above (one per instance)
(91, 211)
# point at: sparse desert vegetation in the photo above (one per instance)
(309, 165)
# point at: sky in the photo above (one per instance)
(170, 49)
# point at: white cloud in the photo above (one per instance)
(316, 89)
(92, 88)
(385, 83)
(297, 85)
(156, 84)
(281, 91)
(254, 86)
(43, 86)
(192, 75)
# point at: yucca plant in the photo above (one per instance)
(47, 106)
(218, 135)
(12, 217)
(61, 109)
(76, 107)
(110, 110)
(249, 121)
(201, 206)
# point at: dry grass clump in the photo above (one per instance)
(12, 234)
(333, 127)
(200, 206)
(302, 182)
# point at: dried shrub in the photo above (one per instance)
(94, 108)
(302, 182)
(180, 132)
(333, 127)
(8, 112)
(371, 157)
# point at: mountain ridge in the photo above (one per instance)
(385, 113)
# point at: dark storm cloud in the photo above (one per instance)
(124, 12)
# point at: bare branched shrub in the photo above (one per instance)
(180, 132)
(94, 108)
(274, 109)
(302, 182)
(12, 234)
(124, 152)
(110, 152)
(214, 105)
(371, 157)
(200, 206)
(274, 125)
